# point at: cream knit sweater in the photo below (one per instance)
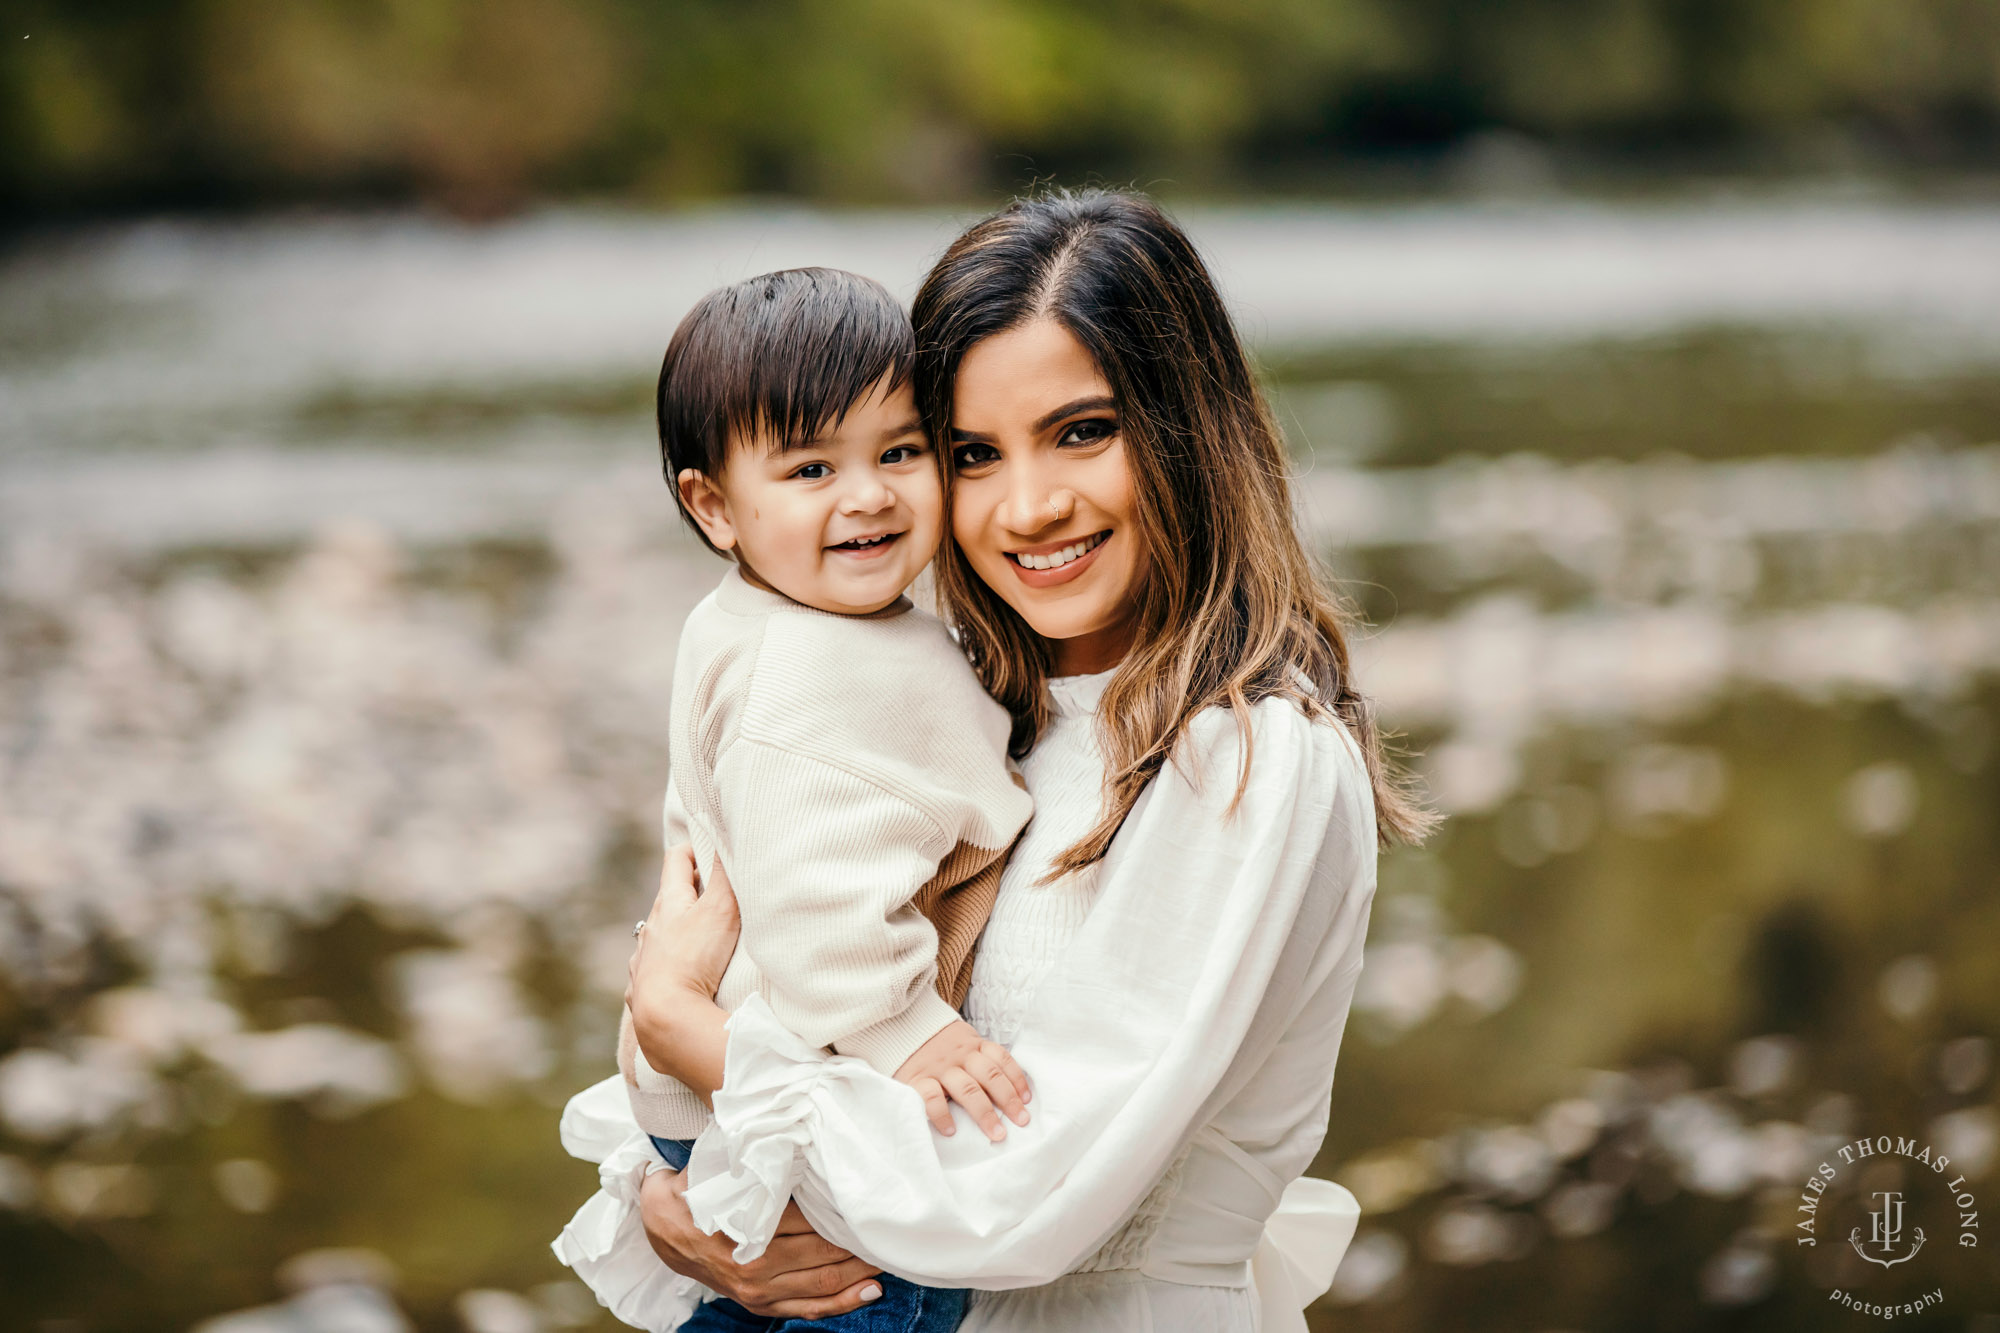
(852, 776)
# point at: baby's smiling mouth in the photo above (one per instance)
(874, 543)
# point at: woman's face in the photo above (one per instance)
(1042, 503)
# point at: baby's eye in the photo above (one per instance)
(1092, 431)
(973, 455)
(902, 453)
(813, 472)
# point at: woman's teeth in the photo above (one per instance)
(1057, 559)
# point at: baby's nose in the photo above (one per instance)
(868, 497)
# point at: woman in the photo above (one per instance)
(1179, 930)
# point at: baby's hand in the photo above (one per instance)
(959, 1065)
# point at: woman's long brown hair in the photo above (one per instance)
(1233, 609)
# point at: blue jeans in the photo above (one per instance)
(904, 1307)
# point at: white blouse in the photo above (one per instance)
(1178, 1008)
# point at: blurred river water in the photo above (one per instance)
(338, 599)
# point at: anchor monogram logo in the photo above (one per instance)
(1885, 1231)
(1885, 1246)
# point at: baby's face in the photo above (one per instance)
(844, 523)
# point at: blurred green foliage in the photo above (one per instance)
(480, 104)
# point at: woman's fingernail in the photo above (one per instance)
(871, 1292)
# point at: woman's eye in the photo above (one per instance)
(1087, 432)
(814, 472)
(902, 453)
(973, 455)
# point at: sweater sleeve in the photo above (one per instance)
(673, 818)
(1217, 926)
(825, 882)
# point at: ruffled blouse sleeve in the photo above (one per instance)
(605, 1243)
(1218, 922)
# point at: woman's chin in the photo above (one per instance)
(1054, 617)
(1084, 643)
(1082, 609)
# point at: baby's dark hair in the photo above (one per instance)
(785, 355)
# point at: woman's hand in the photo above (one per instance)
(678, 962)
(689, 936)
(801, 1275)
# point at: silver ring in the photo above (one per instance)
(637, 927)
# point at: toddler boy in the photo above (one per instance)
(830, 745)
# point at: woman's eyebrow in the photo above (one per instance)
(1096, 404)
(1042, 423)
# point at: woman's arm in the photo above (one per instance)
(681, 1030)
(671, 990)
(670, 983)
(1216, 924)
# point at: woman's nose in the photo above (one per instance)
(1033, 505)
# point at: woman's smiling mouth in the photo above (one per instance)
(1046, 566)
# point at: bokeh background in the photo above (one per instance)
(1640, 361)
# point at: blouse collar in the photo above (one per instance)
(1077, 696)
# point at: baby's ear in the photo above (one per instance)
(711, 512)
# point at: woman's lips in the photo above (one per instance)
(1049, 578)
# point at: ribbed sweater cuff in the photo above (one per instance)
(895, 1039)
